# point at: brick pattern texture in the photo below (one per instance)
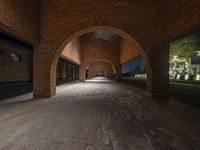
(22, 17)
(12, 70)
(95, 67)
(150, 23)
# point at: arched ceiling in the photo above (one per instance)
(128, 50)
(107, 36)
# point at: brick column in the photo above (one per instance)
(70, 71)
(74, 72)
(63, 71)
(78, 73)
(67, 71)
(160, 71)
(82, 73)
(59, 70)
(118, 73)
(44, 81)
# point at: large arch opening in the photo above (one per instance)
(125, 53)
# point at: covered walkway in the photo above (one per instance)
(99, 116)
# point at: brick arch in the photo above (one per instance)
(103, 65)
(83, 69)
(92, 72)
(49, 89)
(104, 70)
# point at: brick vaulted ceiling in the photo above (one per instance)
(26, 21)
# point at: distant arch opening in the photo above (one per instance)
(100, 67)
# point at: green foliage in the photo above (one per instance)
(185, 47)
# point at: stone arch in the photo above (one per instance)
(123, 34)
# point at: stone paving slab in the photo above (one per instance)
(99, 116)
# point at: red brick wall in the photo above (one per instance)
(149, 22)
(129, 50)
(21, 17)
(179, 17)
(73, 51)
(11, 70)
(59, 19)
(94, 49)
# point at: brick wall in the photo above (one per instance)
(179, 17)
(149, 22)
(94, 48)
(73, 51)
(128, 51)
(138, 18)
(21, 17)
(62, 21)
(11, 70)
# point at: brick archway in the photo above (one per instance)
(51, 89)
(93, 73)
(106, 68)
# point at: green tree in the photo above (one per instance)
(185, 47)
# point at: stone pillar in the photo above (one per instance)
(160, 71)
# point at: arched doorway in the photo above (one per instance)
(126, 36)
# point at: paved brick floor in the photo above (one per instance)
(99, 116)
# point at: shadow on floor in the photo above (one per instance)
(21, 91)
(12, 89)
(185, 92)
